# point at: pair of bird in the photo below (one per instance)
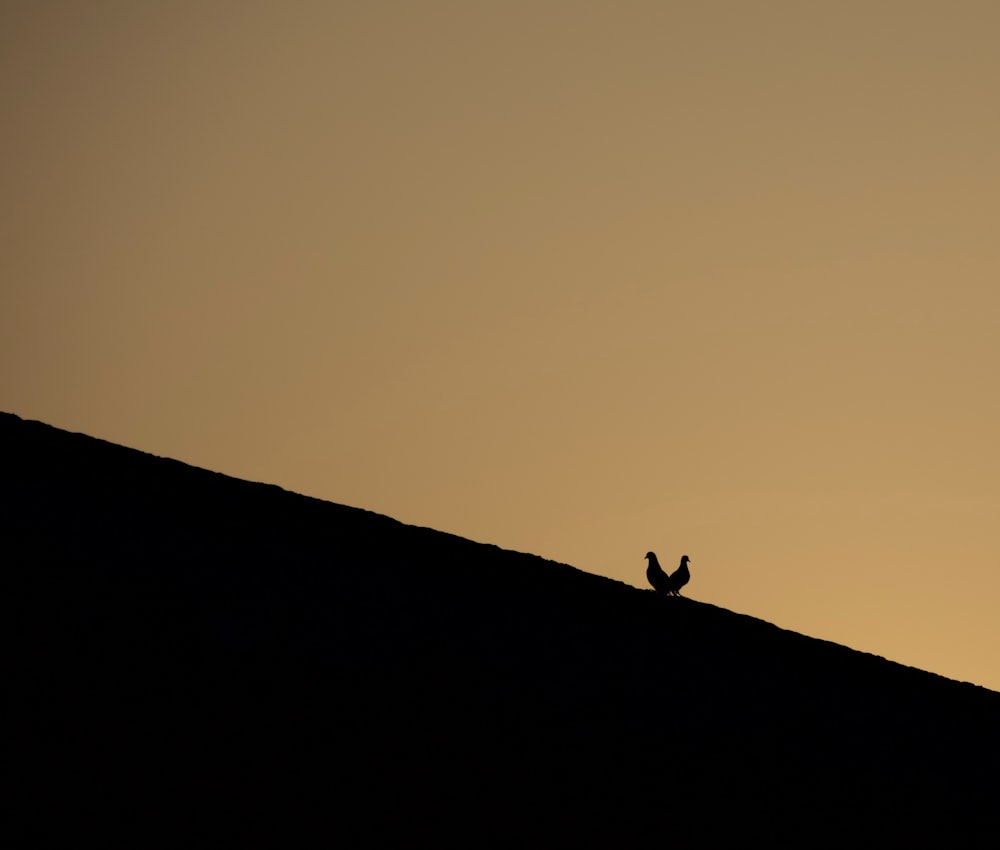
(662, 582)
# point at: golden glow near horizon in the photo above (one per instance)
(579, 279)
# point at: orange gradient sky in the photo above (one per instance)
(575, 278)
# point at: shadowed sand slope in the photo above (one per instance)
(195, 655)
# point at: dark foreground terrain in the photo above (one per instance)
(199, 660)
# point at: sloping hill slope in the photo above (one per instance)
(199, 656)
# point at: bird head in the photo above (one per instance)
(684, 559)
(650, 556)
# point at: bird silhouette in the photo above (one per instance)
(680, 577)
(655, 575)
(664, 583)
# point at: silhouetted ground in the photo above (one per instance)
(197, 659)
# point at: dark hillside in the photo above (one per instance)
(197, 658)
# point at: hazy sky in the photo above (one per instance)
(582, 279)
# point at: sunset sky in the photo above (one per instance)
(581, 279)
